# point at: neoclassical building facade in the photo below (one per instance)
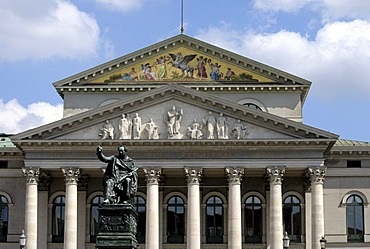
(225, 158)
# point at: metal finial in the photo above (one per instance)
(182, 17)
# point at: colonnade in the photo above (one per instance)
(193, 176)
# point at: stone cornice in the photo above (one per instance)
(30, 145)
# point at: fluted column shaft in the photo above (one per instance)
(70, 233)
(32, 178)
(234, 209)
(152, 213)
(193, 232)
(317, 176)
(276, 207)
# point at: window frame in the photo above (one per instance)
(294, 238)
(253, 238)
(141, 219)
(4, 205)
(217, 239)
(58, 238)
(355, 237)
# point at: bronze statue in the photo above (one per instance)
(120, 176)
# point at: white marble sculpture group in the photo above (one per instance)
(210, 127)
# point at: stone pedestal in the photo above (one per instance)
(118, 226)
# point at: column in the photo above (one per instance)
(32, 177)
(234, 208)
(152, 203)
(308, 213)
(43, 208)
(317, 176)
(193, 232)
(276, 207)
(70, 227)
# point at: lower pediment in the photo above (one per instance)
(174, 119)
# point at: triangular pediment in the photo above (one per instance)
(191, 106)
(232, 67)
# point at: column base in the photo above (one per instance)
(118, 227)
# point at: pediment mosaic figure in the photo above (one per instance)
(120, 177)
(181, 62)
(173, 120)
(107, 130)
(210, 122)
(195, 130)
(152, 129)
(222, 127)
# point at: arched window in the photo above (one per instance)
(253, 219)
(94, 217)
(214, 220)
(141, 219)
(4, 215)
(292, 218)
(355, 218)
(58, 219)
(175, 220)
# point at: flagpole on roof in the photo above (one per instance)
(182, 17)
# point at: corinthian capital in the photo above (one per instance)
(193, 175)
(31, 175)
(71, 174)
(275, 175)
(234, 175)
(317, 174)
(152, 175)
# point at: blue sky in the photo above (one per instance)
(324, 41)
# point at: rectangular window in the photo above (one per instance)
(3, 164)
(353, 163)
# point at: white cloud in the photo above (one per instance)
(121, 5)
(42, 29)
(17, 118)
(281, 5)
(329, 9)
(336, 61)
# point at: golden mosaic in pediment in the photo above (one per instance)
(181, 63)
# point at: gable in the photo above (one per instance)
(251, 70)
(157, 103)
(181, 63)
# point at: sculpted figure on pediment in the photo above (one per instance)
(152, 129)
(136, 126)
(129, 131)
(123, 127)
(107, 130)
(210, 122)
(173, 121)
(222, 127)
(195, 130)
(240, 131)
